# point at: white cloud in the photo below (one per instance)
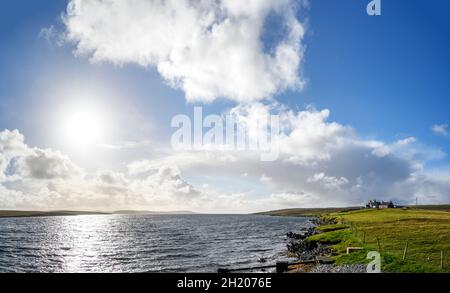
(321, 163)
(441, 129)
(46, 164)
(35, 163)
(209, 49)
(265, 179)
(51, 35)
(12, 142)
(328, 182)
(324, 160)
(34, 178)
(406, 141)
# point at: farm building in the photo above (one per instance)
(374, 204)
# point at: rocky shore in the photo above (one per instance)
(299, 247)
(305, 250)
(341, 269)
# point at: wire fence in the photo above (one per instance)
(416, 252)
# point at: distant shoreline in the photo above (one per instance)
(37, 214)
(33, 214)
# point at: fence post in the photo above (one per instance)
(364, 238)
(378, 242)
(282, 267)
(405, 251)
(442, 259)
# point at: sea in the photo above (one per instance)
(144, 243)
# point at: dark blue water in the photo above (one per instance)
(142, 243)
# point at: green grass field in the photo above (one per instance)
(425, 232)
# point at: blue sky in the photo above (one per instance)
(386, 77)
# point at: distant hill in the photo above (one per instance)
(22, 214)
(132, 212)
(443, 208)
(305, 212)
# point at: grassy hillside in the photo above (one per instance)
(307, 212)
(444, 208)
(425, 232)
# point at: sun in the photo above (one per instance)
(84, 126)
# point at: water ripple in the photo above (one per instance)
(143, 243)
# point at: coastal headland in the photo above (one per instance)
(409, 239)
